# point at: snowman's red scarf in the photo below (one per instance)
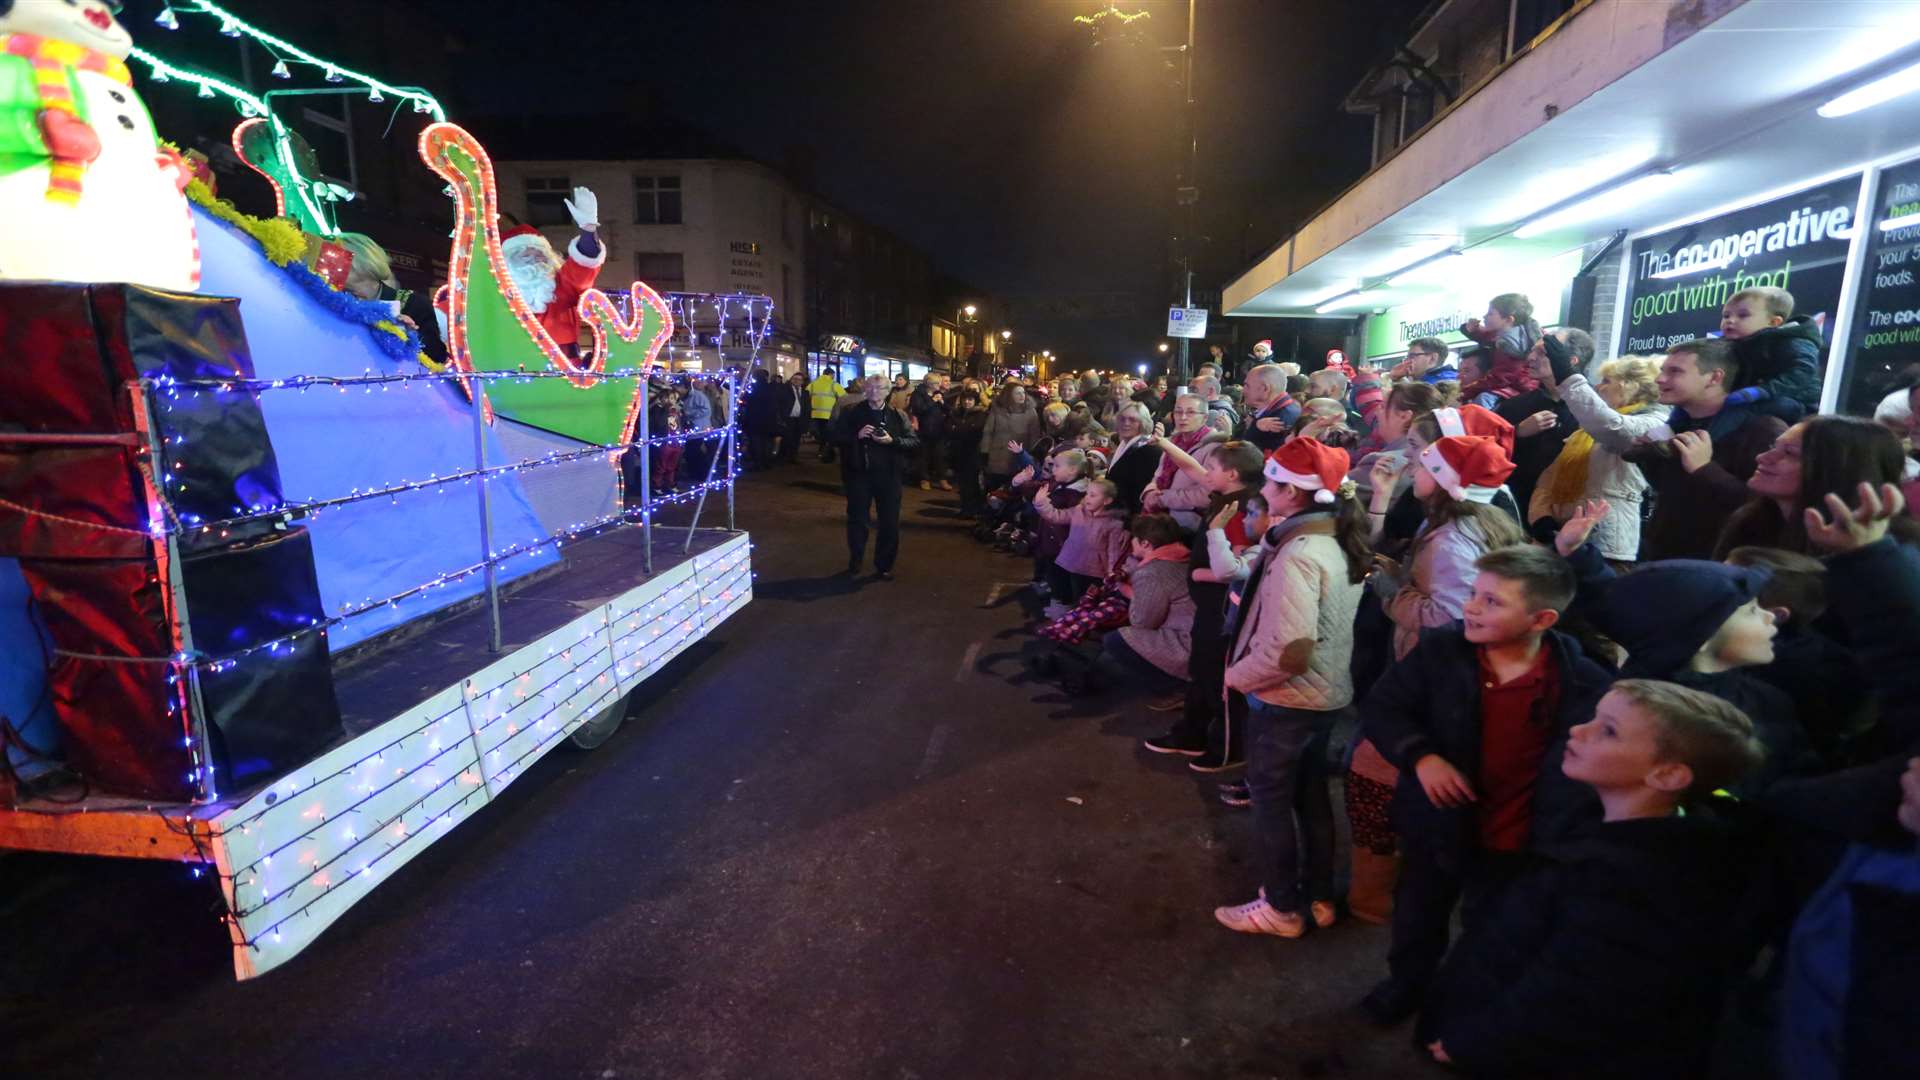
(51, 60)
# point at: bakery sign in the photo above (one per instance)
(746, 266)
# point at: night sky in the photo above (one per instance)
(988, 132)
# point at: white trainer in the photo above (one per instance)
(1260, 917)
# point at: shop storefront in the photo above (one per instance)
(1674, 185)
(1439, 314)
(1845, 248)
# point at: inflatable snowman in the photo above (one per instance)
(86, 192)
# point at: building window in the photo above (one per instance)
(547, 200)
(666, 271)
(330, 136)
(1530, 18)
(656, 200)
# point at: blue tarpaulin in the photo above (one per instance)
(330, 443)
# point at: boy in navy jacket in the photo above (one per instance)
(1613, 960)
(1475, 718)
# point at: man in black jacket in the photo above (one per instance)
(1476, 718)
(1541, 421)
(759, 420)
(1271, 411)
(877, 443)
(929, 408)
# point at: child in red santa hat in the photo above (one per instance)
(1456, 480)
(1291, 655)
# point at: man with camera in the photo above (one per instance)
(877, 444)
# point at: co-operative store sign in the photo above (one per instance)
(1681, 278)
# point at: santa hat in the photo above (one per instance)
(1268, 342)
(1310, 465)
(521, 237)
(1475, 421)
(1470, 468)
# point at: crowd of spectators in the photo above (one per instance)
(1624, 654)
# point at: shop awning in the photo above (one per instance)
(1622, 89)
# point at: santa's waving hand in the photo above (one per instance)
(550, 285)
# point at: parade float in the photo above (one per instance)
(280, 598)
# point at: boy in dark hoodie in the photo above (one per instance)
(1613, 960)
(1696, 623)
(1778, 353)
(1822, 677)
(1475, 718)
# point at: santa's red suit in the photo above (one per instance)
(577, 273)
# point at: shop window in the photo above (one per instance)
(666, 271)
(1883, 350)
(656, 200)
(547, 200)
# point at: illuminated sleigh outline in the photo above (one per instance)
(618, 344)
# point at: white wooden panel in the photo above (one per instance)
(299, 853)
(330, 831)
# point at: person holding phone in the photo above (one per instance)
(877, 444)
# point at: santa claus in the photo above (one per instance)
(550, 285)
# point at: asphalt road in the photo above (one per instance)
(845, 837)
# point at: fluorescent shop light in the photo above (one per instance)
(1425, 268)
(1878, 92)
(1904, 221)
(1346, 299)
(1611, 201)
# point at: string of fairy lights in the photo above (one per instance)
(283, 645)
(170, 389)
(285, 54)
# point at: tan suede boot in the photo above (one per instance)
(1370, 892)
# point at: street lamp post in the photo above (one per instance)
(962, 318)
(1187, 195)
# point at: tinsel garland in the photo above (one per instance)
(285, 246)
(395, 340)
(280, 239)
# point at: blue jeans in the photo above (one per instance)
(1287, 773)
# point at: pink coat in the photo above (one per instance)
(1095, 543)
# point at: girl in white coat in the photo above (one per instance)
(1291, 655)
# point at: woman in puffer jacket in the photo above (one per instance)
(1622, 409)
(1290, 656)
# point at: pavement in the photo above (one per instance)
(844, 837)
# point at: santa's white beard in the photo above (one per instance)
(536, 282)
